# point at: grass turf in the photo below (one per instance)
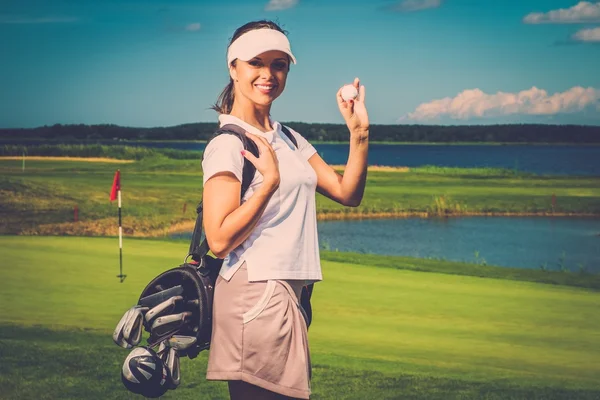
(41, 200)
(378, 332)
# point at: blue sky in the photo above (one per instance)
(162, 63)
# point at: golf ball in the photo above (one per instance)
(349, 92)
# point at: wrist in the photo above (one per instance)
(359, 135)
(271, 183)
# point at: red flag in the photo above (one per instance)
(116, 186)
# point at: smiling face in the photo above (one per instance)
(262, 79)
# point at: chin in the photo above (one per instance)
(264, 100)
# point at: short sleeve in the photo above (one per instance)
(223, 154)
(306, 149)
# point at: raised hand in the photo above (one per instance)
(266, 163)
(354, 111)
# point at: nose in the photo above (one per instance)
(267, 72)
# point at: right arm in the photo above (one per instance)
(227, 223)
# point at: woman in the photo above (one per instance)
(268, 238)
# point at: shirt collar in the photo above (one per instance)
(225, 119)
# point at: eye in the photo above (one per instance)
(280, 65)
(254, 63)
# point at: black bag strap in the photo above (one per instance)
(287, 132)
(197, 251)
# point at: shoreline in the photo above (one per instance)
(378, 168)
(67, 158)
(99, 228)
(188, 226)
(425, 214)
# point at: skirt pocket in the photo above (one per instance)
(262, 302)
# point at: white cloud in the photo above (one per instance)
(582, 12)
(193, 27)
(12, 19)
(587, 35)
(414, 5)
(275, 5)
(474, 103)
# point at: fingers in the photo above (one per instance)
(266, 161)
(350, 105)
(343, 103)
(262, 144)
(260, 141)
(346, 107)
(361, 94)
(249, 156)
(361, 90)
(256, 138)
(340, 100)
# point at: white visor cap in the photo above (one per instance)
(256, 42)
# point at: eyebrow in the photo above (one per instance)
(275, 59)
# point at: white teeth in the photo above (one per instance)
(264, 87)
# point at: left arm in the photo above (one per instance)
(347, 189)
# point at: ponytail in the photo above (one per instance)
(224, 103)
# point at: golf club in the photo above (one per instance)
(118, 333)
(168, 323)
(172, 365)
(181, 342)
(163, 308)
(162, 347)
(132, 329)
(154, 299)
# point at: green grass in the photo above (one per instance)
(557, 277)
(379, 331)
(474, 190)
(155, 190)
(120, 152)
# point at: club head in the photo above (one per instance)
(132, 329)
(163, 308)
(173, 365)
(162, 348)
(118, 333)
(181, 342)
(163, 351)
(155, 299)
(169, 323)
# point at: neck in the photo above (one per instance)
(252, 114)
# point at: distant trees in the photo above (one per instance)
(517, 133)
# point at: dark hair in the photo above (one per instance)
(225, 100)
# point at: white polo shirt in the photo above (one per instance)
(284, 242)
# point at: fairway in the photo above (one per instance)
(378, 332)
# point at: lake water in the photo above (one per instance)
(538, 159)
(522, 242)
(525, 242)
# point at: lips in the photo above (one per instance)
(266, 88)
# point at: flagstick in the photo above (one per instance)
(120, 241)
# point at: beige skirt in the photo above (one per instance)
(259, 335)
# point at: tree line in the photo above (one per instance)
(513, 133)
